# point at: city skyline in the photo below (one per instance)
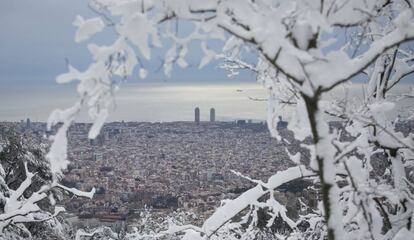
(159, 102)
(150, 102)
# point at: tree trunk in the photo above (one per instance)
(324, 159)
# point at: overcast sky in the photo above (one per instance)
(37, 35)
(36, 38)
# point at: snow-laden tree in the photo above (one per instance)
(29, 192)
(304, 50)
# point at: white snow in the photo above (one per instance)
(87, 28)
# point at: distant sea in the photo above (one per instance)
(160, 101)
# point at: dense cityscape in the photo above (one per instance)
(188, 166)
(164, 166)
(170, 164)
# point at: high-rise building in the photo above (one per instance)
(28, 123)
(197, 115)
(212, 115)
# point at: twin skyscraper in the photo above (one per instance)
(197, 115)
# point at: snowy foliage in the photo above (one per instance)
(301, 57)
(148, 226)
(28, 190)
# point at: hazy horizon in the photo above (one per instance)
(153, 102)
(158, 101)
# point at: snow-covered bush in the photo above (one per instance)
(28, 190)
(149, 226)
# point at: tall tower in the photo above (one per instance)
(197, 115)
(212, 115)
(28, 123)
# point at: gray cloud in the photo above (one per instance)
(37, 36)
